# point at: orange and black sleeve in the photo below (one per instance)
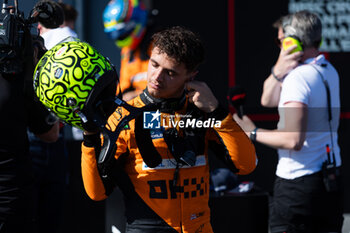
(93, 184)
(237, 151)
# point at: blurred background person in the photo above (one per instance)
(130, 25)
(70, 16)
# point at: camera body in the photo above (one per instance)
(12, 26)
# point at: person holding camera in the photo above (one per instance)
(308, 193)
(19, 111)
(53, 36)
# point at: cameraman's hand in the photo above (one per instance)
(200, 95)
(287, 61)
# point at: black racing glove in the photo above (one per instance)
(90, 126)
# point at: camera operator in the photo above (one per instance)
(55, 36)
(19, 111)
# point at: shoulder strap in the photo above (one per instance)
(328, 92)
(329, 108)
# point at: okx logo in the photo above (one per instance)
(151, 120)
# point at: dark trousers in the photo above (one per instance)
(302, 205)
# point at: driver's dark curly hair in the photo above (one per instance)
(180, 44)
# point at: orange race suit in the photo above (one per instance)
(153, 202)
(133, 70)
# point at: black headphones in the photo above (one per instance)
(292, 37)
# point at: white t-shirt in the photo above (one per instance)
(55, 36)
(304, 84)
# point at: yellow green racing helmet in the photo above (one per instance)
(71, 79)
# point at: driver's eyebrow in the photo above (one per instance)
(166, 69)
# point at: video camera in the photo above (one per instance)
(13, 27)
